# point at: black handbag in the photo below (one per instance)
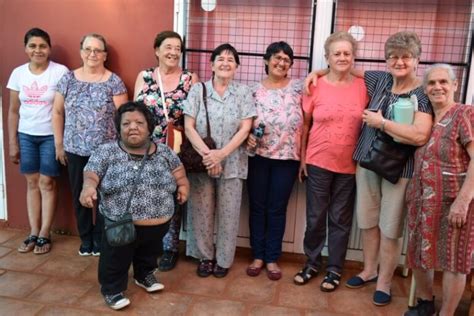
(190, 158)
(386, 157)
(121, 232)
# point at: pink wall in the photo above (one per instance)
(129, 27)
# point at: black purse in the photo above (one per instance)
(121, 232)
(190, 158)
(386, 157)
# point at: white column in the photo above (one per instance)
(322, 29)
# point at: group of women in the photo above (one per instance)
(82, 119)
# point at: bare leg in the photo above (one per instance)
(371, 244)
(453, 288)
(48, 190)
(33, 202)
(390, 250)
(424, 283)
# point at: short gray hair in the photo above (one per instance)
(340, 36)
(448, 68)
(96, 36)
(404, 40)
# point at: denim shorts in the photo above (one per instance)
(37, 154)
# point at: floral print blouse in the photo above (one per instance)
(89, 112)
(150, 95)
(280, 110)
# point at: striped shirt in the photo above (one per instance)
(379, 85)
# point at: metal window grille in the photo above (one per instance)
(249, 26)
(445, 28)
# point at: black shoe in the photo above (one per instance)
(150, 283)
(205, 268)
(116, 301)
(168, 261)
(85, 250)
(220, 272)
(423, 308)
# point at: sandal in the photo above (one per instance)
(332, 279)
(306, 274)
(28, 244)
(43, 245)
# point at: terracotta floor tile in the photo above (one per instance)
(5, 250)
(193, 284)
(214, 307)
(90, 272)
(252, 289)
(307, 296)
(20, 308)
(342, 301)
(330, 313)
(7, 234)
(163, 303)
(66, 266)
(22, 261)
(61, 291)
(94, 300)
(19, 284)
(61, 311)
(15, 240)
(268, 310)
(65, 245)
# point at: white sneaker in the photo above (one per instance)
(116, 301)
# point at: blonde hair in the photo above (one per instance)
(340, 36)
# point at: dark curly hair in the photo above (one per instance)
(133, 106)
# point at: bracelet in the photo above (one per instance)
(382, 127)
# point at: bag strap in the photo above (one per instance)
(204, 99)
(137, 178)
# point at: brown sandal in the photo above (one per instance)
(28, 244)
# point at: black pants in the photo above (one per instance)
(114, 262)
(88, 232)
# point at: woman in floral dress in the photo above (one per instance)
(167, 84)
(439, 197)
(273, 170)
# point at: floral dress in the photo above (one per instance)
(440, 170)
(150, 94)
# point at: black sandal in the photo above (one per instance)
(40, 243)
(28, 244)
(333, 279)
(306, 274)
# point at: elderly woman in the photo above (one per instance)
(31, 143)
(83, 112)
(380, 204)
(163, 89)
(111, 171)
(439, 197)
(332, 121)
(273, 170)
(218, 192)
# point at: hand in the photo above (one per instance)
(14, 153)
(212, 158)
(373, 119)
(251, 141)
(61, 155)
(312, 78)
(458, 213)
(215, 172)
(88, 196)
(182, 194)
(303, 173)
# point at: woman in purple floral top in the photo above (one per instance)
(167, 84)
(273, 170)
(83, 112)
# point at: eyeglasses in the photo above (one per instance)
(89, 51)
(394, 58)
(279, 59)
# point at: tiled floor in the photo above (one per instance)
(62, 283)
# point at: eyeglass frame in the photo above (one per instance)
(88, 51)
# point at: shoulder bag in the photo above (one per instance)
(122, 232)
(190, 158)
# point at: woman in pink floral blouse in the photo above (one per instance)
(273, 170)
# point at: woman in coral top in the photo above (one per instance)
(332, 121)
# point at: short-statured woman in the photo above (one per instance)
(83, 112)
(332, 121)
(439, 198)
(31, 144)
(111, 172)
(169, 83)
(273, 170)
(217, 194)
